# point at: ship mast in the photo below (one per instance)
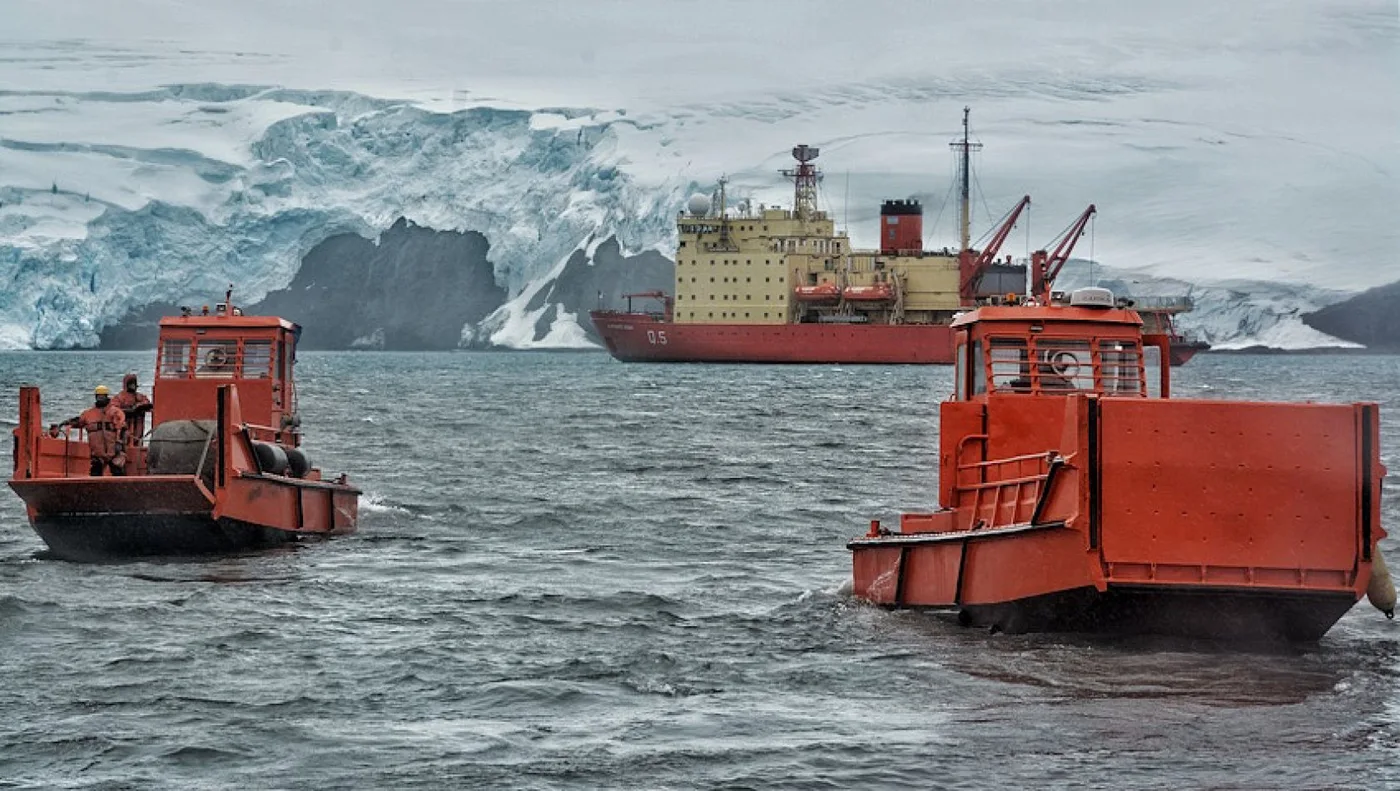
(724, 242)
(965, 147)
(804, 178)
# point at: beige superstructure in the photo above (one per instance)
(743, 269)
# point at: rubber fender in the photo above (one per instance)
(1381, 591)
(298, 463)
(271, 458)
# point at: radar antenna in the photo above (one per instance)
(804, 177)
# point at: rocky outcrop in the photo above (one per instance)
(1371, 318)
(415, 289)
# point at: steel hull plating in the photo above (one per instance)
(645, 338)
(1233, 615)
(87, 538)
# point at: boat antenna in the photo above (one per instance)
(846, 206)
(1091, 251)
(965, 147)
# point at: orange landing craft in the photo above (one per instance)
(221, 470)
(1075, 495)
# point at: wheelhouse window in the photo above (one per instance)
(960, 373)
(174, 359)
(1049, 364)
(1008, 365)
(258, 360)
(1064, 364)
(1122, 367)
(216, 359)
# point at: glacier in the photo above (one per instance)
(149, 160)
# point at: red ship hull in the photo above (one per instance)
(1182, 351)
(642, 337)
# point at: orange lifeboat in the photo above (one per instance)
(878, 292)
(221, 470)
(823, 293)
(1076, 495)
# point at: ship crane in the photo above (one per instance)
(1045, 267)
(973, 265)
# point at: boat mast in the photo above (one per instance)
(965, 147)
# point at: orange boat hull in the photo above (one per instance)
(639, 337)
(235, 506)
(1135, 524)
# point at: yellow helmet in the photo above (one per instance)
(102, 390)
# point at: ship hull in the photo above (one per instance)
(99, 519)
(1183, 351)
(89, 538)
(644, 338)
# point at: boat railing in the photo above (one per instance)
(63, 452)
(999, 492)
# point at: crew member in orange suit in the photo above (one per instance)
(106, 430)
(134, 405)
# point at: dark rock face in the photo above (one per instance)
(1370, 318)
(585, 285)
(581, 287)
(413, 290)
(416, 289)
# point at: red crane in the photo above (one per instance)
(1045, 267)
(972, 265)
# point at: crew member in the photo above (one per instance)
(106, 429)
(134, 406)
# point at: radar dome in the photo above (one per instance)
(699, 204)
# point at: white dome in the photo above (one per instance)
(699, 204)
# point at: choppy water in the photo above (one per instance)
(574, 573)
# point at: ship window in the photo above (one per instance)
(1063, 364)
(712, 314)
(712, 280)
(748, 262)
(767, 279)
(682, 243)
(748, 296)
(960, 373)
(216, 360)
(780, 297)
(748, 280)
(257, 359)
(979, 377)
(1009, 365)
(175, 360)
(1121, 367)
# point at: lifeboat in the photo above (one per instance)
(824, 293)
(1076, 495)
(221, 470)
(878, 292)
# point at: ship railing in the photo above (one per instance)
(998, 492)
(1177, 304)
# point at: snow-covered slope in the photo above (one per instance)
(153, 150)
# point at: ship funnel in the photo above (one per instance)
(901, 226)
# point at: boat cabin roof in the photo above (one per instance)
(1089, 345)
